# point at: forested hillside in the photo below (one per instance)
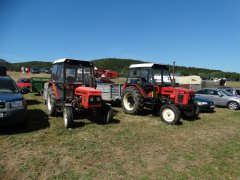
(121, 66)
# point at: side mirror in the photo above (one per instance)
(220, 95)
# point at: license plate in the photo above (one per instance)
(212, 106)
(1, 115)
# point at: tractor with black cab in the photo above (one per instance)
(150, 85)
(72, 89)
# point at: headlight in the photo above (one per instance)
(202, 103)
(91, 99)
(15, 104)
(98, 99)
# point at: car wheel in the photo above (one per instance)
(233, 105)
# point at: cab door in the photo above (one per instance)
(58, 79)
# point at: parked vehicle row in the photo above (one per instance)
(221, 97)
(72, 89)
(36, 70)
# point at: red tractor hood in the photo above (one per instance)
(178, 90)
(88, 91)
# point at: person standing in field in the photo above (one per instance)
(22, 69)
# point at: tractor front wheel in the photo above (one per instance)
(68, 117)
(132, 101)
(107, 114)
(170, 114)
(51, 102)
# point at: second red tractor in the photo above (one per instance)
(150, 85)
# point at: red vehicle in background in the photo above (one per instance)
(106, 73)
(24, 83)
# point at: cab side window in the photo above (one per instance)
(134, 75)
(54, 72)
(145, 76)
(59, 76)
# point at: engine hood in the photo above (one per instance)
(178, 90)
(87, 90)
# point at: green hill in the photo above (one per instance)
(4, 63)
(121, 66)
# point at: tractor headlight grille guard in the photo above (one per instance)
(69, 92)
(180, 98)
(191, 99)
(94, 100)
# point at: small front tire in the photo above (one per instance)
(170, 114)
(51, 102)
(68, 117)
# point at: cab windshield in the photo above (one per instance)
(157, 76)
(75, 74)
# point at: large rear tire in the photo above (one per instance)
(191, 114)
(132, 101)
(68, 117)
(170, 114)
(51, 102)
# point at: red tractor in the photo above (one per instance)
(72, 88)
(150, 85)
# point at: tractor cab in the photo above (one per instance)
(149, 77)
(68, 74)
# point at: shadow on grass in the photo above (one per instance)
(33, 102)
(35, 120)
(91, 119)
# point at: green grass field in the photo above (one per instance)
(131, 147)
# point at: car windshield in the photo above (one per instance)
(76, 74)
(226, 93)
(8, 86)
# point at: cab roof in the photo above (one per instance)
(148, 65)
(74, 62)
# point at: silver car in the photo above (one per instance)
(220, 97)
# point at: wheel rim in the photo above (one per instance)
(65, 117)
(168, 115)
(233, 106)
(49, 103)
(128, 101)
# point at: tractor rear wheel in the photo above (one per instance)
(132, 101)
(51, 102)
(191, 113)
(170, 114)
(68, 117)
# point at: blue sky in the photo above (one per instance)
(194, 33)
